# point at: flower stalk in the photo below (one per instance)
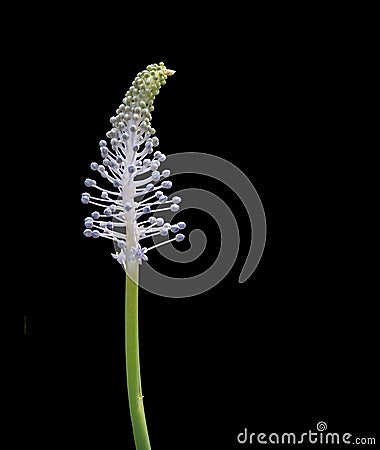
(136, 405)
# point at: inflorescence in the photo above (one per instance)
(130, 163)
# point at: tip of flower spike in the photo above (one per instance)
(169, 72)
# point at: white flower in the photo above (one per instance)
(130, 164)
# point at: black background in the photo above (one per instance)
(289, 103)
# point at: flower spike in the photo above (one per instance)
(130, 163)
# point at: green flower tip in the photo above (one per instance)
(138, 100)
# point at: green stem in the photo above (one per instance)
(135, 396)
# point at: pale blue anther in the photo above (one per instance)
(121, 244)
(166, 173)
(102, 143)
(155, 175)
(162, 198)
(95, 215)
(162, 158)
(133, 129)
(180, 237)
(85, 198)
(163, 232)
(148, 145)
(181, 225)
(166, 184)
(146, 209)
(89, 183)
(114, 142)
(94, 166)
(174, 207)
(158, 194)
(110, 225)
(95, 233)
(127, 206)
(152, 220)
(112, 208)
(87, 233)
(155, 141)
(101, 169)
(160, 221)
(146, 162)
(157, 154)
(106, 162)
(88, 223)
(104, 195)
(116, 183)
(131, 169)
(174, 228)
(119, 159)
(149, 187)
(176, 199)
(104, 151)
(135, 148)
(108, 212)
(102, 224)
